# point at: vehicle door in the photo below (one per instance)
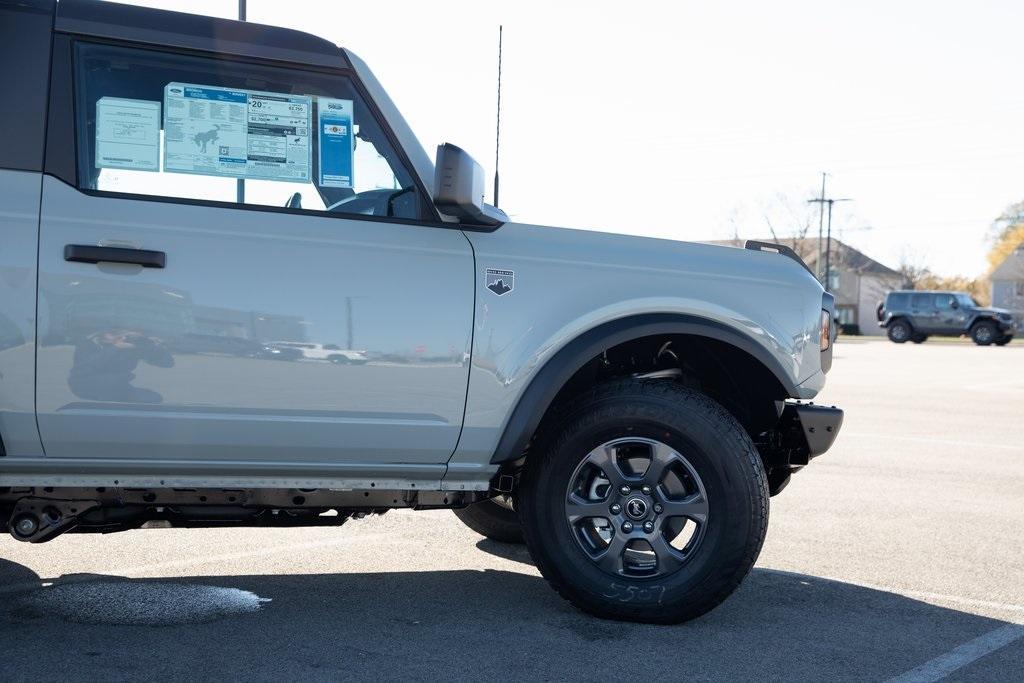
(950, 317)
(923, 314)
(206, 241)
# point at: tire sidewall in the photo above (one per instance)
(729, 488)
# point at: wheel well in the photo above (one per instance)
(726, 373)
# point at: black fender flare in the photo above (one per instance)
(559, 369)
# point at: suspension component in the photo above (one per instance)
(36, 520)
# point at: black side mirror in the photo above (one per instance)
(459, 188)
(954, 304)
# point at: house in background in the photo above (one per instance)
(858, 282)
(1008, 283)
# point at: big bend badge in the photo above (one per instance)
(500, 281)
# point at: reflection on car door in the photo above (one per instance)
(177, 362)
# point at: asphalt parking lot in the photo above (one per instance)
(898, 553)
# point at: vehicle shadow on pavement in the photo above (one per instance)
(452, 624)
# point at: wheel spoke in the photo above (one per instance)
(669, 559)
(694, 507)
(604, 457)
(662, 457)
(577, 508)
(611, 559)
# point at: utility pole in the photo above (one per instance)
(821, 221)
(828, 242)
(497, 136)
(240, 183)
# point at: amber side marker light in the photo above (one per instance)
(826, 330)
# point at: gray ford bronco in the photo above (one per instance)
(235, 291)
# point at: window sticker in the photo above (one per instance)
(127, 134)
(237, 133)
(337, 144)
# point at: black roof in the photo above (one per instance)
(193, 31)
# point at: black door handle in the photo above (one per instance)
(85, 253)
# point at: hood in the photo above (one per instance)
(992, 310)
(635, 252)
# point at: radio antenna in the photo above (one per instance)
(497, 136)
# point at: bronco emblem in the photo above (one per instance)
(636, 508)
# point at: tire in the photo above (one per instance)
(919, 338)
(1004, 340)
(984, 333)
(721, 472)
(899, 331)
(493, 519)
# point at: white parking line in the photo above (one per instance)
(944, 442)
(961, 656)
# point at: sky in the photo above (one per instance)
(697, 120)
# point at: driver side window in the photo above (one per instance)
(162, 124)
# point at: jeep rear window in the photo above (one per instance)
(897, 301)
(133, 123)
(921, 301)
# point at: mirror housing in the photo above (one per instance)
(459, 188)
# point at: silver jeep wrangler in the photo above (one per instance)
(235, 290)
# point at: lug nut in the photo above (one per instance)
(616, 509)
(26, 526)
(646, 490)
(627, 527)
(648, 526)
(658, 509)
(624, 490)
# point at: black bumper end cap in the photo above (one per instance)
(820, 425)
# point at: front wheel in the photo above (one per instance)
(1004, 340)
(646, 501)
(984, 333)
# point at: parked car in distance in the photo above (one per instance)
(916, 315)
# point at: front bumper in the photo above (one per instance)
(804, 432)
(819, 425)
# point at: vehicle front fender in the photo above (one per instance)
(546, 383)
